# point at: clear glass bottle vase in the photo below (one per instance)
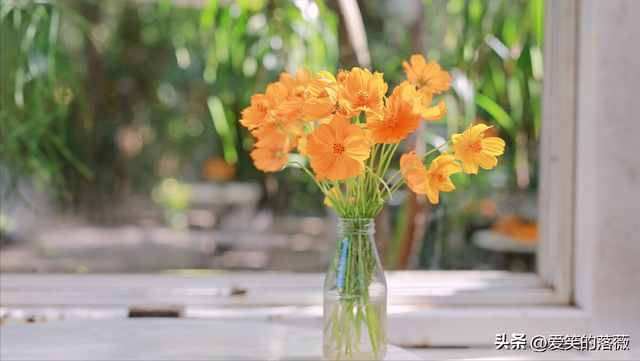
(355, 296)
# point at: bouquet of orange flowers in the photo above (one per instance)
(348, 130)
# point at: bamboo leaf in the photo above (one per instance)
(499, 114)
(5, 10)
(221, 125)
(537, 14)
(17, 19)
(53, 42)
(208, 15)
(57, 141)
(85, 25)
(28, 125)
(24, 50)
(164, 7)
(42, 12)
(19, 87)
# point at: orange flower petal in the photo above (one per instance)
(414, 172)
(435, 112)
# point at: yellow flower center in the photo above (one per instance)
(477, 145)
(423, 99)
(443, 177)
(362, 98)
(299, 90)
(392, 120)
(338, 149)
(323, 94)
(278, 154)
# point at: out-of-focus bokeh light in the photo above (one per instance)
(63, 96)
(129, 140)
(168, 95)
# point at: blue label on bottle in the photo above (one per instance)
(343, 263)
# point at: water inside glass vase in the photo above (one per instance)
(355, 295)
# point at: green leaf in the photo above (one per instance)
(475, 11)
(85, 25)
(57, 141)
(208, 15)
(43, 12)
(537, 67)
(510, 33)
(164, 7)
(19, 87)
(222, 128)
(5, 10)
(499, 114)
(17, 19)
(497, 75)
(537, 15)
(54, 25)
(27, 126)
(514, 94)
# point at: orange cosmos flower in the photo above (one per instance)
(342, 76)
(424, 75)
(414, 172)
(420, 100)
(338, 149)
(302, 146)
(398, 120)
(293, 116)
(270, 132)
(262, 105)
(266, 134)
(363, 91)
(341, 112)
(299, 141)
(295, 89)
(324, 92)
(303, 76)
(367, 134)
(491, 132)
(437, 178)
(474, 150)
(273, 156)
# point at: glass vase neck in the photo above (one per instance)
(363, 226)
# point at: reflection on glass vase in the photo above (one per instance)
(355, 296)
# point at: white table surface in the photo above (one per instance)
(166, 339)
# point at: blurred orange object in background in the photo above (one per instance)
(216, 169)
(513, 225)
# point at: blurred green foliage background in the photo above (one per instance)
(153, 89)
(103, 100)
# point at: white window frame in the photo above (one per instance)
(426, 308)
